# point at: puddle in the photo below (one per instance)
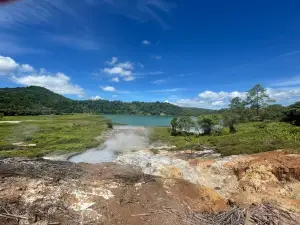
(121, 139)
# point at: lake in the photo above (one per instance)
(137, 120)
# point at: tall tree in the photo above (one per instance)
(236, 103)
(257, 97)
(174, 126)
(230, 120)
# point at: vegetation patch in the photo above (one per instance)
(63, 134)
(250, 138)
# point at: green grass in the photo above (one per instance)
(250, 138)
(61, 134)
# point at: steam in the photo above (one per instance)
(121, 140)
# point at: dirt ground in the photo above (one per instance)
(46, 192)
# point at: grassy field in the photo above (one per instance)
(250, 138)
(61, 134)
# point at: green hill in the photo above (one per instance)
(35, 100)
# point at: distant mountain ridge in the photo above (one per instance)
(34, 100)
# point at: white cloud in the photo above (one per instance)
(59, 83)
(25, 74)
(217, 100)
(108, 88)
(10, 66)
(97, 97)
(27, 68)
(218, 103)
(7, 65)
(168, 90)
(190, 103)
(129, 78)
(126, 65)
(146, 42)
(210, 95)
(117, 70)
(113, 61)
(284, 96)
(122, 69)
(294, 81)
(156, 73)
(157, 57)
(160, 81)
(114, 96)
(115, 79)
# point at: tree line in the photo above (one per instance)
(255, 107)
(35, 100)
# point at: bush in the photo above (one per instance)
(220, 131)
(293, 114)
(109, 124)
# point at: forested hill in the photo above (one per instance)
(35, 100)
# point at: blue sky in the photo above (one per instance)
(189, 53)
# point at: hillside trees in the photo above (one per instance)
(257, 98)
(292, 115)
(35, 100)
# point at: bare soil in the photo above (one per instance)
(46, 192)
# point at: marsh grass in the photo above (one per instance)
(250, 138)
(63, 134)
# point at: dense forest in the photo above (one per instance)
(35, 100)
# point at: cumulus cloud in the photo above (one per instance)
(218, 103)
(114, 96)
(7, 65)
(117, 71)
(210, 95)
(115, 79)
(94, 98)
(108, 88)
(25, 74)
(27, 68)
(112, 61)
(126, 65)
(122, 69)
(129, 78)
(59, 83)
(146, 42)
(189, 103)
(217, 100)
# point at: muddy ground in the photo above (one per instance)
(265, 190)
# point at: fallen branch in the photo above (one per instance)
(11, 216)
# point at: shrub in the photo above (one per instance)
(109, 124)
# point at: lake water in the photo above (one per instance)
(136, 120)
